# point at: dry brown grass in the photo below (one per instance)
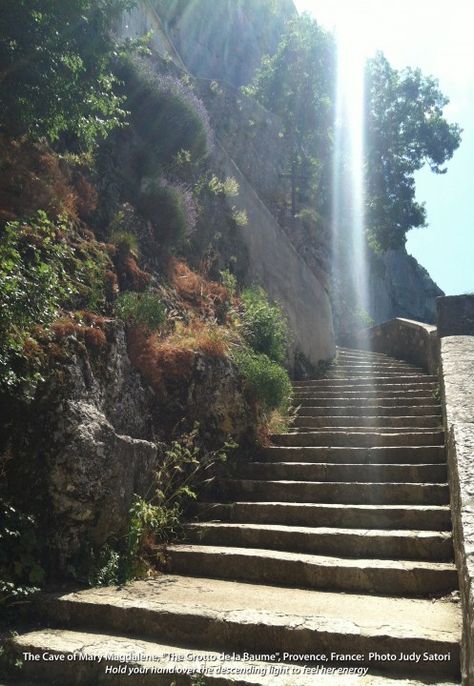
(86, 326)
(33, 177)
(209, 298)
(161, 360)
(130, 276)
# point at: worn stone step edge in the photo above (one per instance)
(357, 430)
(404, 544)
(366, 399)
(335, 492)
(299, 622)
(322, 572)
(411, 380)
(424, 517)
(371, 394)
(361, 439)
(340, 421)
(185, 663)
(249, 672)
(351, 454)
(345, 410)
(322, 471)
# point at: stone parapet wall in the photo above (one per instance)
(455, 315)
(403, 339)
(457, 377)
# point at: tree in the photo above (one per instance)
(405, 130)
(55, 67)
(297, 83)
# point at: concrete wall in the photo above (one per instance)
(457, 376)
(249, 149)
(275, 265)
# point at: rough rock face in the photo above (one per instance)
(252, 29)
(94, 440)
(402, 288)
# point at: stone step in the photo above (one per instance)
(434, 546)
(424, 517)
(405, 380)
(342, 410)
(394, 577)
(352, 372)
(156, 664)
(345, 455)
(369, 428)
(369, 439)
(368, 403)
(218, 615)
(374, 365)
(342, 421)
(335, 492)
(182, 664)
(407, 395)
(320, 471)
(342, 350)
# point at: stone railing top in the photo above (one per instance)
(409, 322)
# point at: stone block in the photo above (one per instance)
(455, 315)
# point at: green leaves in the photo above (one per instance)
(142, 309)
(56, 74)
(264, 326)
(20, 569)
(405, 130)
(40, 272)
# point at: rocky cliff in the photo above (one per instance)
(249, 148)
(402, 288)
(223, 44)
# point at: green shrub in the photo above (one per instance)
(141, 309)
(185, 466)
(33, 284)
(43, 268)
(171, 210)
(229, 281)
(267, 382)
(124, 241)
(166, 114)
(20, 569)
(264, 326)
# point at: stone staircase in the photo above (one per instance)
(333, 550)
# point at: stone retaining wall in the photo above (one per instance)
(449, 351)
(457, 377)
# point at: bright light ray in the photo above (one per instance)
(348, 176)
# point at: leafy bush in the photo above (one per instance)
(166, 114)
(124, 241)
(263, 324)
(42, 268)
(267, 382)
(186, 466)
(229, 281)
(33, 283)
(20, 570)
(56, 67)
(141, 309)
(170, 208)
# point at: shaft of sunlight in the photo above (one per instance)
(349, 248)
